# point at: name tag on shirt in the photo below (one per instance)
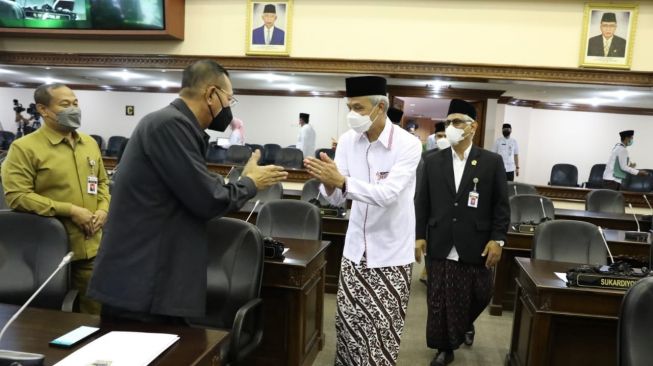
(472, 200)
(91, 185)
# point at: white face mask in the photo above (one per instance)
(359, 123)
(454, 135)
(442, 143)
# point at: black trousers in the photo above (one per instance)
(510, 176)
(114, 314)
(610, 184)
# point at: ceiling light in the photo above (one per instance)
(5, 71)
(126, 75)
(164, 84)
(48, 80)
(412, 105)
(621, 94)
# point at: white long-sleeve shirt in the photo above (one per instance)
(306, 140)
(619, 152)
(381, 183)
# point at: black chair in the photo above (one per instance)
(234, 276)
(528, 207)
(273, 192)
(290, 158)
(113, 146)
(564, 175)
(635, 324)
(6, 138)
(310, 191)
(290, 219)
(3, 200)
(595, 180)
(99, 140)
(255, 147)
(269, 154)
(638, 183)
(515, 188)
(569, 241)
(31, 248)
(121, 150)
(605, 200)
(238, 154)
(216, 154)
(234, 174)
(329, 151)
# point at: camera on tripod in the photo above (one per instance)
(18, 108)
(32, 111)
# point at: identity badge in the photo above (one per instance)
(472, 200)
(91, 185)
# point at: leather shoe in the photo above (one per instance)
(469, 336)
(442, 358)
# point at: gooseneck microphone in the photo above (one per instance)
(253, 209)
(648, 203)
(635, 216)
(606, 244)
(544, 215)
(515, 187)
(24, 358)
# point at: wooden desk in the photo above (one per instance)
(578, 194)
(557, 325)
(605, 220)
(293, 305)
(36, 327)
(521, 244)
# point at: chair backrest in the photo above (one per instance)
(255, 147)
(605, 200)
(31, 247)
(234, 271)
(6, 138)
(290, 219)
(121, 150)
(3, 200)
(216, 154)
(238, 154)
(290, 158)
(273, 192)
(565, 175)
(527, 207)
(637, 183)
(595, 179)
(113, 146)
(99, 140)
(515, 188)
(569, 241)
(635, 324)
(269, 154)
(329, 151)
(310, 191)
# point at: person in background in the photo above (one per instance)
(395, 115)
(411, 127)
(507, 147)
(437, 140)
(306, 138)
(374, 167)
(237, 136)
(58, 171)
(619, 164)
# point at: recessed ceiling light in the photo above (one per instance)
(126, 75)
(412, 105)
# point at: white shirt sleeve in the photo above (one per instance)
(301, 138)
(337, 198)
(516, 147)
(430, 142)
(622, 155)
(235, 138)
(387, 190)
(495, 149)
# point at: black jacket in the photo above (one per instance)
(443, 217)
(617, 47)
(153, 256)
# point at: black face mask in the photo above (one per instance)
(222, 120)
(506, 133)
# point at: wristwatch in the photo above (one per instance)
(500, 242)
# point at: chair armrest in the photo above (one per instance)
(70, 301)
(252, 313)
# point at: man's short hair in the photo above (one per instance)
(42, 93)
(200, 73)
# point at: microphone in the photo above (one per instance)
(515, 187)
(648, 203)
(229, 172)
(253, 209)
(545, 217)
(635, 216)
(24, 358)
(606, 244)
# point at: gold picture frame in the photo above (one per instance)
(263, 16)
(616, 21)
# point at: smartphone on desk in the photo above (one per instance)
(73, 337)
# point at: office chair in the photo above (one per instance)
(6, 138)
(635, 324)
(99, 140)
(569, 241)
(255, 147)
(515, 188)
(234, 277)
(564, 175)
(310, 191)
(216, 154)
(636, 183)
(605, 200)
(595, 180)
(238, 154)
(269, 154)
(273, 192)
(527, 207)
(3, 199)
(113, 146)
(121, 150)
(31, 248)
(329, 151)
(290, 219)
(290, 158)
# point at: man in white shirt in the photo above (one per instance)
(306, 138)
(438, 140)
(507, 147)
(374, 167)
(619, 163)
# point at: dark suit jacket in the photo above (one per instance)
(443, 217)
(617, 47)
(278, 36)
(153, 255)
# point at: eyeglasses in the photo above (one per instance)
(456, 122)
(232, 100)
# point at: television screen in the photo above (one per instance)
(83, 14)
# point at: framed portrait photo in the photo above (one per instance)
(269, 27)
(608, 35)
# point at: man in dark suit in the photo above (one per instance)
(607, 44)
(268, 34)
(462, 217)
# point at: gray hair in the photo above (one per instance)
(42, 93)
(376, 99)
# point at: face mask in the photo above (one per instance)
(222, 120)
(358, 122)
(630, 143)
(70, 118)
(442, 143)
(454, 135)
(506, 134)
